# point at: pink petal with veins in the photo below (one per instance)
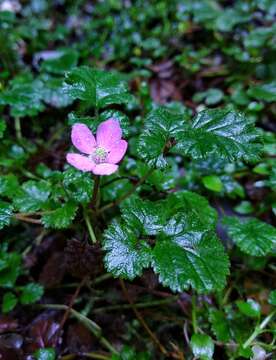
(83, 139)
(105, 169)
(80, 162)
(117, 152)
(108, 133)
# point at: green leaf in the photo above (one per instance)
(45, 354)
(9, 302)
(249, 308)
(62, 61)
(79, 185)
(126, 255)
(10, 267)
(213, 183)
(6, 210)
(25, 98)
(99, 88)
(53, 92)
(31, 293)
(252, 236)
(60, 218)
(272, 298)
(224, 134)
(244, 208)
(33, 195)
(8, 185)
(202, 346)
(190, 259)
(161, 128)
(220, 326)
(3, 127)
(265, 92)
(144, 216)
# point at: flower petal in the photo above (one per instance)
(80, 162)
(117, 152)
(108, 133)
(83, 139)
(105, 169)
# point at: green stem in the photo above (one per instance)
(258, 329)
(194, 320)
(88, 323)
(89, 227)
(127, 194)
(17, 125)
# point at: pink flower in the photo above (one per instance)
(102, 153)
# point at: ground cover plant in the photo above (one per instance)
(137, 179)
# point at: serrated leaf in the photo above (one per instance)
(202, 346)
(9, 302)
(9, 268)
(126, 255)
(99, 88)
(6, 210)
(252, 236)
(61, 61)
(60, 218)
(144, 216)
(224, 134)
(53, 92)
(79, 185)
(191, 259)
(32, 196)
(266, 92)
(31, 293)
(161, 128)
(220, 326)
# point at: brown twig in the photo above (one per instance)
(142, 321)
(27, 219)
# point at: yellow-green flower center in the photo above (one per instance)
(99, 155)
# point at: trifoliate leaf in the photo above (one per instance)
(252, 236)
(60, 218)
(266, 92)
(31, 293)
(202, 346)
(161, 128)
(99, 88)
(9, 302)
(33, 196)
(6, 210)
(224, 134)
(126, 255)
(191, 259)
(220, 326)
(144, 216)
(249, 308)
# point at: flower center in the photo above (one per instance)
(99, 155)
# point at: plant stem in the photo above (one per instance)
(89, 227)
(96, 190)
(142, 321)
(17, 125)
(194, 320)
(258, 329)
(88, 323)
(127, 194)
